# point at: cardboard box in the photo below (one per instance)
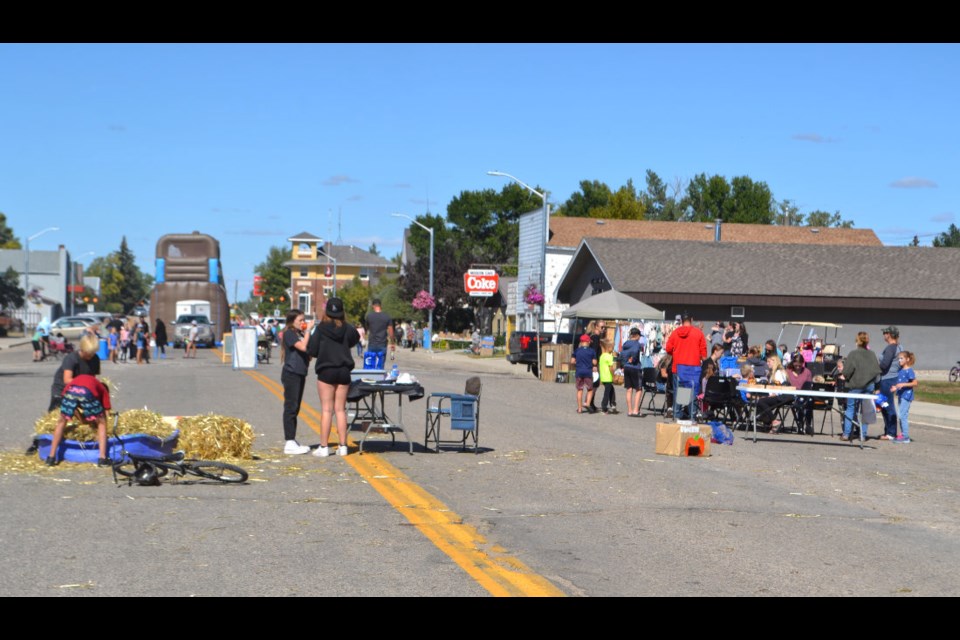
(684, 439)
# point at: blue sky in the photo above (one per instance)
(255, 143)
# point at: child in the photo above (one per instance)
(83, 391)
(906, 383)
(124, 342)
(584, 360)
(606, 367)
(113, 342)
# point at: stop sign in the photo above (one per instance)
(481, 282)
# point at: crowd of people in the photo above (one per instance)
(684, 357)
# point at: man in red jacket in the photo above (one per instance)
(688, 347)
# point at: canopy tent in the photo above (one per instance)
(613, 305)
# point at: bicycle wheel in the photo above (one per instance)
(215, 470)
(954, 374)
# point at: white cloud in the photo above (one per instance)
(812, 137)
(336, 181)
(913, 182)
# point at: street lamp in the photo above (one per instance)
(430, 312)
(543, 253)
(26, 271)
(70, 282)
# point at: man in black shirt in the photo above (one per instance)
(379, 326)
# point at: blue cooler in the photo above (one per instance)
(373, 359)
(104, 351)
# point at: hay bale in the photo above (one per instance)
(215, 437)
(134, 421)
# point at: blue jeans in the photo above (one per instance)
(890, 412)
(851, 410)
(686, 376)
(904, 416)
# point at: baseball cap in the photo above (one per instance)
(334, 308)
(584, 338)
(892, 330)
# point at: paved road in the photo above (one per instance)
(582, 502)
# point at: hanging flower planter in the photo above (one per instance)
(423, 301)
(533, 296)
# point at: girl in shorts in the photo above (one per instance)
(332, 344)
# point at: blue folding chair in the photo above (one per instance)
(462, 411)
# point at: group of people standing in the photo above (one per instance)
(329, 344)
(129, 341)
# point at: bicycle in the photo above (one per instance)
(955, 372)
(148, 470)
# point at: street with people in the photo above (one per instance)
(584, 505)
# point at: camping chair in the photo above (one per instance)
(823, 404)
(718, 399)
(463, 412)
(652, 390)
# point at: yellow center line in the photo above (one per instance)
(490, 565)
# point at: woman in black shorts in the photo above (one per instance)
(332, 345)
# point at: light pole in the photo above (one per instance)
(26, 271)
(430, 312)
(543, 254)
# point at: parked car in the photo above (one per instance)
(9, 323)
(71, 327)
(181, 329)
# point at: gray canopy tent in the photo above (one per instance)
(613, 305)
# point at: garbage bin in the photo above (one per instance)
(426, 339)
(104, 351)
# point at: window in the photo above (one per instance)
(303, 272)
(327, 291)
(738, 312)
(303, 249)
(365, 273)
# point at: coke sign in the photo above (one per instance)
(481, 282)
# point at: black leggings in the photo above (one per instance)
(293, 386)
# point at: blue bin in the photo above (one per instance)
(104, 351)
(373, 359)
(139, 444)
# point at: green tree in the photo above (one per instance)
(122, 284)
(592, 195)
(740, 200)
(356, 300)
(486, 223)
(709, 198)
(7, 239)
(823, 219)
(134, 284)
(658, 203)
(915, 242)
(788, 214)
(276, 281)
(373, 249)
(624, 204)
(11, 295)
(949, 238)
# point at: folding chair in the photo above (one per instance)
(823, 404)
(718, 398)
(649, 383)
(462, 410)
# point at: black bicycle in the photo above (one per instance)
(148, 470)
(955, 372)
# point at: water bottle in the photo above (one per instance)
(394, 373)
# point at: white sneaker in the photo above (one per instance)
(292, 448)
(342, 450)
(321, 452)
